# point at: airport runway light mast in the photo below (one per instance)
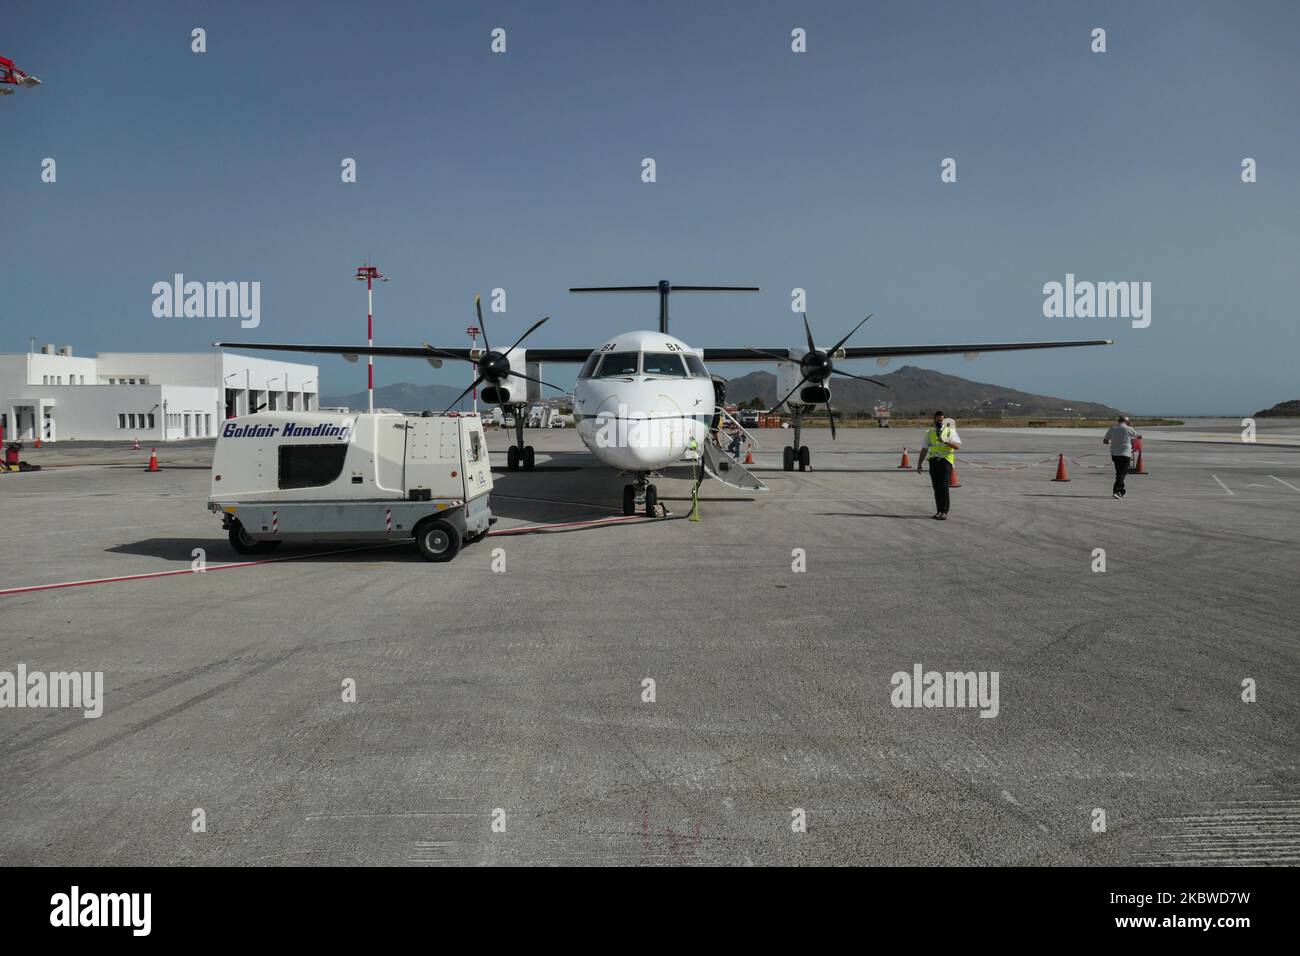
(370, 273)
(473, 331)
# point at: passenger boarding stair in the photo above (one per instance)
(719, 464)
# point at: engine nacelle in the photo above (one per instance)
(815, 394)
(511, 389)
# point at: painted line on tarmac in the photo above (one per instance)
(234, 565)
(173, 573)
(1287, 483)
(1223, 486)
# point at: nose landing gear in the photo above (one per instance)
(641, 495)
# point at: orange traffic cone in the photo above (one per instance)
(135, 445)
(38, 441)
(1060, 470)
(749, 456)
(153, 460)
(1138, 469)
(952, 477)
(905, 463)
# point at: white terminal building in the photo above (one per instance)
(154, 396)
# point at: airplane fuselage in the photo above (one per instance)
(641, 400)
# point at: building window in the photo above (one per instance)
(207, 426)
(121, 420)
(151, 420)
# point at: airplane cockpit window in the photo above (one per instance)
(618, 363)
(589, 367)
(696, 365)
(663, 363)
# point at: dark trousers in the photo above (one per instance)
(940, 475)
(1122, 464)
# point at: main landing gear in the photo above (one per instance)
(519, 453)
(799, 454)
(641, 495)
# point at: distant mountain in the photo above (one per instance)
(919, 391)
(1289, 409)
(403, 396)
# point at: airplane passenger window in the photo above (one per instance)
(589, 367)
(618, 363)
(663, 363)
(696, 365)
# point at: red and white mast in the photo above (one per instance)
(370, 273)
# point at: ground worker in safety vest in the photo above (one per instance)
(940, 446)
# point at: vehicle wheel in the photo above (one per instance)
(437, 540)
(528, 458)
(245, 543)
(651, 501)
(512, 458)
(787, 459)
(805, 459)
(629, 500)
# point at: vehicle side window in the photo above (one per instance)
(589, 367)
(663, 363)
(618, 363)
(475, 446)
(310, 466)
(696, 365)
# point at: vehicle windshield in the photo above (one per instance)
(618, 363)
(589, 367)
(696, 365)
(664, 363)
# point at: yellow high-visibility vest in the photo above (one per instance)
(937, 447)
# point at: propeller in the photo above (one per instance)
(817, 365)
(493, 367)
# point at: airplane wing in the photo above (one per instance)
(404, 351)
(889, 351)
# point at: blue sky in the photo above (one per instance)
(522, 170)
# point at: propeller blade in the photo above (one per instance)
(537, 380)
(779, 358)
(791, 392)
(478, 310)
(860, 378)
(536, 325)
(441, 354)
(808, 331)
(834, 348)
(473, 385)
(830, 413)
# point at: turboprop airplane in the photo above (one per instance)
(644, 400)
